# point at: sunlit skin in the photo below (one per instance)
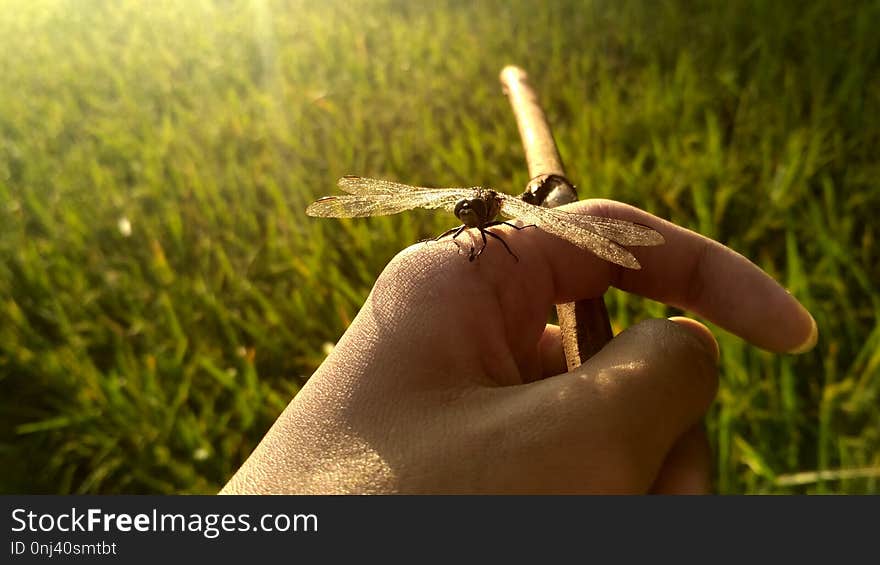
(449, 380)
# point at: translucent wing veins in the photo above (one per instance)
(375, 197)
(603, 236)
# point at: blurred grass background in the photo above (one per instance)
(163, 296)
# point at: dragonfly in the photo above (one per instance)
(478, 207)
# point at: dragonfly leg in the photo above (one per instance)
(490, 224)
(457, 230)
(504, 243)
(483, 248)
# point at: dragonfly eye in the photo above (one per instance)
(471, 212)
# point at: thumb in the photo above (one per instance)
(608, 425)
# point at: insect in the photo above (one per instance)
(478, 207)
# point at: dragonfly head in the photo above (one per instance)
(479, 210)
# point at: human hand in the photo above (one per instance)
(448, 380)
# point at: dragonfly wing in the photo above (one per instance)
(362, 185)
(603, 242)
(618, 231)
(362, 205)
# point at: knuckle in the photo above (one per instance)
(689, 358)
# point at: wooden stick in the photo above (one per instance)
(584, 324)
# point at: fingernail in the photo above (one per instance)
(702, 332)
(811, 340)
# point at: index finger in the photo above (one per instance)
(694, 273)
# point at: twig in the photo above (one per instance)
(584, 324)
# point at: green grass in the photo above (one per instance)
(154, 362)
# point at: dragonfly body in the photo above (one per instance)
(479, 211)
(478, 207)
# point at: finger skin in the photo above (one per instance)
(551, 352)
(690, 272)
(441, 382)
(687, 468)
(701, 332)
(606, 428)
(609, 425)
